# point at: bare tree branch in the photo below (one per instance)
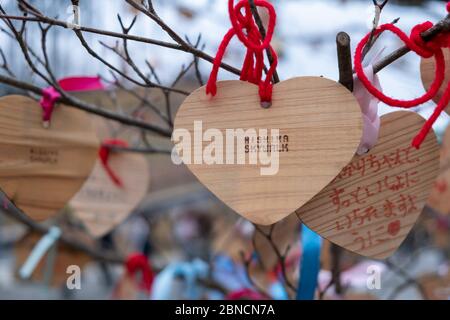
(441, 26)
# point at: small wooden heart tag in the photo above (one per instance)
(100, 204)
(427, 71)
(265, 163)
(440, 196)
(374, 202)
(41, 169)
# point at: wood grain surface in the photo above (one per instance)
(374, 202)
(41, 169)
(427, 71)
(318, 120)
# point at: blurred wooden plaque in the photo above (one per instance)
(64, 257)
(102, 205)
(440, 196)
(41, 169)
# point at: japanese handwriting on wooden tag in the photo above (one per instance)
(374, 202)
(440, 195)
(102, 205)
(265, 163)
(427, 71)
(41, 169)
(109, 129)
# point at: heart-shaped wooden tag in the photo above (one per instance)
(266, 163)
(374, 202)
(102, 205)
(41, 169)
(427, 71)
(439, 199)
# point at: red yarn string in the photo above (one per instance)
(138, 262)
(253, 66)
(424, 49)
(104, 153)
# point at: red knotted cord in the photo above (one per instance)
(139, 263)
(424, 49)
(253, 66)
(104, 153)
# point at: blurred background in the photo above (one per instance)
(180, 225)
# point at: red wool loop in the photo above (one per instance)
(253, 66)
(424, 49)
(138, 262)
(104, 153)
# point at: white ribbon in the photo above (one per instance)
(39, 251)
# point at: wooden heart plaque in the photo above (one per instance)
(102, 205)
(440, 196)
(427, 71)
(261, 175)
(41, 169)
(376, 199)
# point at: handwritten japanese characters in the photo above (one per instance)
(373, 203)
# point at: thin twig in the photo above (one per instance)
(280, 256)
(408, 281)
(441, 26)
(378, 10)
(140, 150)
(262, 30)
(15, 213)
(188, 49)
(247, 264)
(344, 60)
(346, 79)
